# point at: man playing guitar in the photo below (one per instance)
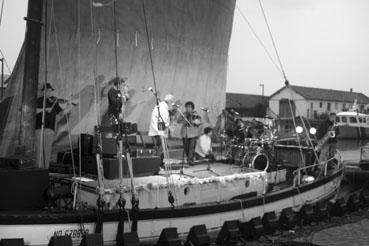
(117, 97)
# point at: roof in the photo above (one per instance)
(312, 93)
(238, 100)
(350, 113)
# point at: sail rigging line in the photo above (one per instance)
(163, 140)
(273, 41)
(115, 38)
(2, 11)
(42, 152)
(259, 40)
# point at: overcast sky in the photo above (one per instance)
(322, 43)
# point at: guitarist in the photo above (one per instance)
(328, 148)
(52, 109)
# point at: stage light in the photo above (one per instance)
(299, 129)
(312, 131)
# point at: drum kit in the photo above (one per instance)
(247, 145)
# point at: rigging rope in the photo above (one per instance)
(259, 40)
(115, 39)
(1, 11)
(272, 39)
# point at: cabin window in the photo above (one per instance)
(320, 105)
(338, 119)
(328, 106)
(353, 120)
(364, 120)
(343, 107)
(360, 120)
(336, 106)
(344, 119)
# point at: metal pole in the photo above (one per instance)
(2, 78)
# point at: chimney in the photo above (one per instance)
(351, 90)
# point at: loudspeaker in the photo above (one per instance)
(353, 202)
(229, 234)
(92, 240)
(169, 237)
(87, 143)
(307, 214)
(129, 239)
(12, 242)
(287, 219)
(88, 164)
(322, 212)
(253, 229)
(16, 162)
(60, 241)
(23, 189)
(339, 207)
(270, 222)
(198, 236)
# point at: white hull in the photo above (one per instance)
(39, 234)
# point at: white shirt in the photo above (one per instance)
(164, 113)
(203, 145)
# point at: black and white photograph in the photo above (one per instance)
(184, 122)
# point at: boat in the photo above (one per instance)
(352, 124)
(179, 196)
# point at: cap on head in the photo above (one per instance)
(48, 86)
(169, 98)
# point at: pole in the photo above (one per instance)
(2, 78)
(30, 77)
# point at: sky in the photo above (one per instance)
(322, 43)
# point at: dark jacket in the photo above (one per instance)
(323, 128)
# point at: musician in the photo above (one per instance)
(53, 107)
(160, 115)
(329, 147)
(190, 121)
(203, 148)
(116, 97)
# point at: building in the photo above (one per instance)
(311, 102)
(247, 105)
(3, 86)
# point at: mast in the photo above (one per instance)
(30, 76)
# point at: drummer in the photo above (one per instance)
(190, 130)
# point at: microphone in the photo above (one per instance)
(236, 113)
(151, 89)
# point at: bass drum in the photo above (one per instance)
(256, 161)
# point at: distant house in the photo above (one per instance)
(312, 102)
(247, 105)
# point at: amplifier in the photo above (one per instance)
(23, 189)
(16, 162)
(146, 166)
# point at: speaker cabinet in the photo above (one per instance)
(287, 219)
(253, 229)
(92, 240)
(198, 236)
(270, 222)
(23, 189)
(229, 234)
(12, 242)
(60, 241)
(169, 237)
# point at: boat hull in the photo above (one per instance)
(352, 132)
(37, 229)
